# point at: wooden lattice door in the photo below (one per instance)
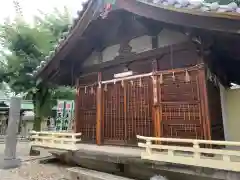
(180, 105)
(87, 111)
(127, 111)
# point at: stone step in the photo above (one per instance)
(78, 173)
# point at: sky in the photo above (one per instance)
(31, 7)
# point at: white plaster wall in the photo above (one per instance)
(223, 96)
(167, 37)
(109, 53)
(141, 44)
(232, 114)
(91, 60)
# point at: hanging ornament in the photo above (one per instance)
(105, 87)
(106, 10)
(173, 76)
(187, 77)
(122, 83)
(140, 82)
(114, 81)
(92, 91)
(108, 5)
(161, 79)
(99, 85)
(85, 89)
(131, 82)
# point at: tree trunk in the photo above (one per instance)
(37, 116)
(41, 101)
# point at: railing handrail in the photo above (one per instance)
(193, 155)
(55, 140)
(199, 141)
(55, 133)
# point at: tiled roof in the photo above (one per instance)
(196, 5)
(187, 5)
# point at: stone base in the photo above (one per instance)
(87, 174)
(10, 163)
(34, 152)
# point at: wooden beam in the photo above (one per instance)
(137, 57)
(156, 108)
(193, 19)
(99, 117)
(77, 108)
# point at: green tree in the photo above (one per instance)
(28, 44)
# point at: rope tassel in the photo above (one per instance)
(105, 87)
(173, 76)
(161, 79)
(131, 83)
(122, 83)
(140, 82)
(92, 91)
(187, 77)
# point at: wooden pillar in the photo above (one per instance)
(156, 106)
(99, 119)
(77, 109)
(204, 104)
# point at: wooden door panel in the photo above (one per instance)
(181, 115)
(128, 111)
(114, 121)
(87, 110)
(139, 108)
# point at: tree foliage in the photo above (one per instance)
(25, 46)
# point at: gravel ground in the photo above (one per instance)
(31, 169)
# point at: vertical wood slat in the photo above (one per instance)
(155, 98)
(156, 117)
(125, 110)
(77, 114)
(99, 117)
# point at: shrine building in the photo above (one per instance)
(158, 68)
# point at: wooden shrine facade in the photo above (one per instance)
(169, 96)
(177, 60)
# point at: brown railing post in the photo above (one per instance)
(99, 116)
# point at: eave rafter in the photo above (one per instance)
(184, 14)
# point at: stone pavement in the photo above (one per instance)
(6, 175)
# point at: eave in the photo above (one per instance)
(218, 20)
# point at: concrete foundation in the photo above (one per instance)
(86, 174)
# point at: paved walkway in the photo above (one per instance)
(6, 175)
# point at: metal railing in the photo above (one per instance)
(202, 153)
(55, 140)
